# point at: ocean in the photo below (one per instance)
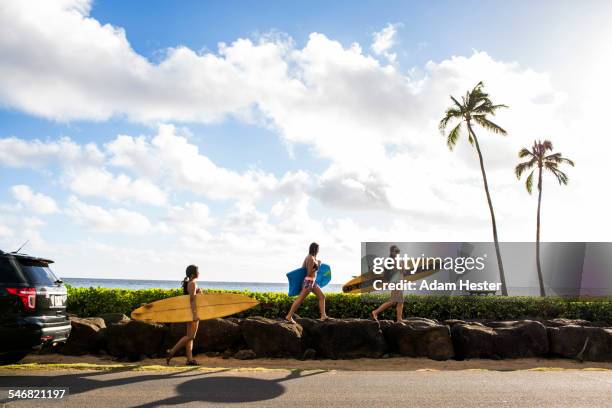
(173, 284)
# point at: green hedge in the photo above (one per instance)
(95, 301)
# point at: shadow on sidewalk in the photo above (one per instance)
(83, 382)
(228, 389)
(198, 387)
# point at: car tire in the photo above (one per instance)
(12, 357)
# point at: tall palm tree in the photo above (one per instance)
(474, 108)
(538, 157)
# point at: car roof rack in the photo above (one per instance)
(29, 257)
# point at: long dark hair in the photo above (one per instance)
(191, 271)
(313, 249)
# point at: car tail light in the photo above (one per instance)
(27, 296)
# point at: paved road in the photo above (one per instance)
(322, 389)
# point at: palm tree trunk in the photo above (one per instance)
(540, 277)
(502, 276)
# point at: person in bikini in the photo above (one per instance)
(189, 288)
(311, 263)
(397, 296)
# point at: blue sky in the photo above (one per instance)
(133, 142)
(518, 30)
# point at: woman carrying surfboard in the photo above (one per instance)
(311, 263)
(189, 288)
(397, 296)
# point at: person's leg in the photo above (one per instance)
(296, 303)
(191, 334)
(399, 311)
(179, 344)
(398, 296)
(321, 296)
(381, 309)
(171, 352)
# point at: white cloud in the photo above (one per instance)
(384, 40)
(388, 172)
(116, 220)
(36, 202)
(191, 223)
(166, 162)
(171, 157)
(97, 182)
(19, 153)
(17, 228)
(5, 231)
(55, 48)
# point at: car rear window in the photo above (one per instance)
(9, 273)
(38, 273)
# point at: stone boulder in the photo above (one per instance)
(245, 355)
(473, 340)
(86, 336)
(112, 318)
(212, 335)
(560, 321)
(452, 322)
(420, 338)
(272, 338)
(497, 340)
(134, 339)
(344, 338)
(581, 342)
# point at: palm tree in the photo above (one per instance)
(474, 108)
(537, 157)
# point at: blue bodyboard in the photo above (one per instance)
(297, 277)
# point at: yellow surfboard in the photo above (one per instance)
(209, 306)
(365, 283)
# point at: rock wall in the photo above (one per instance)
(346, 338)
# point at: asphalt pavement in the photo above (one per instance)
(283, 388)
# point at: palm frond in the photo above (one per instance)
(553, 157)
(567, 161)
(524, 153)
(562, 178)
(558, 159)
(489, 108)
(460, 106)
(529, 182)
(547, 145)
(451, 113)
(453, 136)
(487, 124)
(522, 167)
(475, 97)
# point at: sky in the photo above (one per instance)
(139, 137)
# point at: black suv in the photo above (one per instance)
(32, 306)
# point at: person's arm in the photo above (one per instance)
(405, 271)
(192, 300)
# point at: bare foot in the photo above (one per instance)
(324, 317)
(290, 320)
(374, 315)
